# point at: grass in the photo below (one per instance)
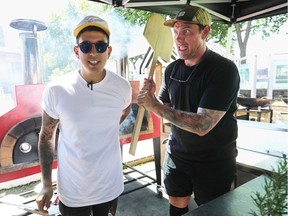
(25, 190)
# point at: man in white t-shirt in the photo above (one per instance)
(87, 106)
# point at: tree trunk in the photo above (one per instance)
(243, 42)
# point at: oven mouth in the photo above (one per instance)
(20, 144)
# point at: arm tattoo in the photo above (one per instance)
(200, 123)
(46, 146)
(125, 113)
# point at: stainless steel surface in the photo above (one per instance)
(28, 35)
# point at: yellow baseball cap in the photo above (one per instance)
(91, 21)
(191, 14)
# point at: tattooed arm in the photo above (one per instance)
(46, 148)
(199, 123)
(125, 113)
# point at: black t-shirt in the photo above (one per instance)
(213, 84)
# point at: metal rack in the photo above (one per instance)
(258, 112)
(133, 174)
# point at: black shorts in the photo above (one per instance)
(206, 180)
(95, 210)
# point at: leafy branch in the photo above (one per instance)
(274, 201)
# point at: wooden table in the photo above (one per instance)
(234, 203)
(255, 111)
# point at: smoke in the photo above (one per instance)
(127, 41)
(123, 34)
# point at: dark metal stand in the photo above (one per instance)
(157, 158)
(142, 175)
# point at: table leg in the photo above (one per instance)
(248, 114)
(157, 160)
(271, 115)
(259, 116)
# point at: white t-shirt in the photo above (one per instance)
(88, 152)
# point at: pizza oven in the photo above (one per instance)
(20, 126)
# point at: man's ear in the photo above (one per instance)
(206, 31)
(109, 51)
(76, 51)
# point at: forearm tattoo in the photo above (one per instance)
(199, 123)
(46, 145)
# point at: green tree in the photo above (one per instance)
(243, 31)
(220, 30)
(134, 16)
(57, 42)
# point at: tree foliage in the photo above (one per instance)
(133, 16)
(57, 41)
(268, 25)
(219, 33)
(274, 201)
(243, 30)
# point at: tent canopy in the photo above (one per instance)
(226, 11)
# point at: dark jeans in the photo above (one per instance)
(102, 209)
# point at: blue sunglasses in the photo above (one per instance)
(86, 46)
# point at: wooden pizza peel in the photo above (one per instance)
(160, 39)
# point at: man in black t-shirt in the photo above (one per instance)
(199, 97)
